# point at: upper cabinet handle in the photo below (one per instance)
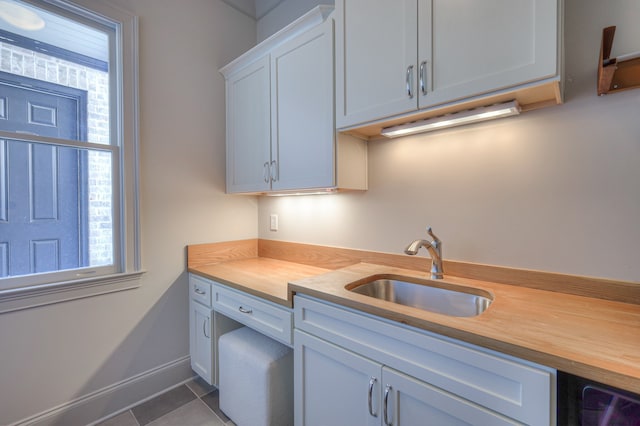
(275, 173)
(266, 172)
(423, 77)
(410, 81)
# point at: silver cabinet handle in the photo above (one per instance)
(387, 390)
(410, 81)
(372, 382)
(266, 173)
(245, 311)
(275, 174)
(204, 327)
(198, 291)
(423, 77)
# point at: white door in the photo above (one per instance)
(470, 47)
(407, 401)
(332, 385)
(376, 67)
(302, 111)
(200, 341)
(249, 128)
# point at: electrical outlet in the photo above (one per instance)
(273, 224)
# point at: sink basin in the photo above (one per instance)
(432, 296)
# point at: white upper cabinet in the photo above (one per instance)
(281, 115)
(376, 51)
(398, 57)
(468, 47)
(302, 126)
(249, 128)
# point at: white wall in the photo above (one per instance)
(55, 354)
(555, 190)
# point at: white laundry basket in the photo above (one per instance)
(255, 379)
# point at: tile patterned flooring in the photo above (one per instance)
(192, 404)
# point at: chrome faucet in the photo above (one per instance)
(435, 251)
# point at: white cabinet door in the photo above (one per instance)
(410, 402)
(471, 47)
(376, 51)
(332, 385)
(249, 128)
(200, 341)
(302, 111)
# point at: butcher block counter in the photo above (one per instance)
(583, 326)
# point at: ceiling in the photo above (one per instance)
(64, 33)
(60, 32)
(253, 8)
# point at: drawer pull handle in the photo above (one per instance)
(387, 390)
(372, 382)
(198, 291)
(245, 311)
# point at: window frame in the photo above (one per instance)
(124, 122)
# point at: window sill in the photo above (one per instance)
(31, 297)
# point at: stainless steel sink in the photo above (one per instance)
(454, 300)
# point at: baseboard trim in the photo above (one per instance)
(110, 400)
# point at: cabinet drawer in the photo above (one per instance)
(268, 318)
(200, 289)
(516, 388)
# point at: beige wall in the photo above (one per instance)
(56, 354)
(555, 190)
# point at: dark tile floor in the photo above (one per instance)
(192, 404)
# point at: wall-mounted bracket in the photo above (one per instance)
(616, 74)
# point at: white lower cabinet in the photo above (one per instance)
(200, 341)
(339, 387)
(331, 384)
(216, 309)
(200, 327)
(408, 401)
(352, 368)
(205, 326)
(272, 320)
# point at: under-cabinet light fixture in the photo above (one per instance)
(454, 119)
(326, 191)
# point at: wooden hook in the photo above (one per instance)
(616, 74)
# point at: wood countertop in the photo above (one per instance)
(590, 337)
(262, 277)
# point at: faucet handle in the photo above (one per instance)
(435, 239)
